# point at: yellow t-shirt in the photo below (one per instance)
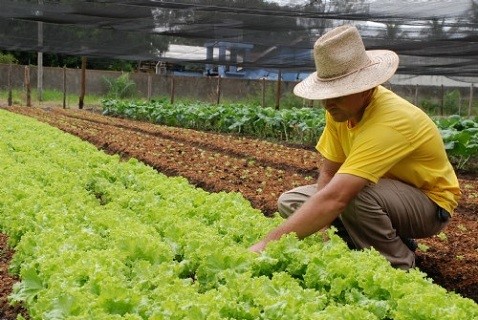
(395, 140)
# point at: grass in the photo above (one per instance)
(50, 97)
(55, 97)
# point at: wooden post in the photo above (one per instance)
(83, 83)
(27, 87)
(442, 105)
(64, 87)
(218, 89)
(40, 74)
(263, 85)
(173, 89)
(10, 100)
(150, 85)
(279, 80)
(470, 102)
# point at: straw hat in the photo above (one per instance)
(344, 66)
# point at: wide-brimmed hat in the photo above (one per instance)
(344, 66)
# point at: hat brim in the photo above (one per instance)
(383, 67)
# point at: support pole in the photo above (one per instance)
(27, 87)
(64, 87)
(173, 89)
(40, 57)
(263, 85)
(83, 83)
(279, 82)
(150, 86)
(218, 89)
(10, 96)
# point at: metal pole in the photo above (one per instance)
(40, 59)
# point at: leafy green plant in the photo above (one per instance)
(121, 87)
(136, 244)
(7, 58)
(430, 107)
(460, 136)
(452, 102)
(294, 125)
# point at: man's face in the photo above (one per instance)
(345, 108)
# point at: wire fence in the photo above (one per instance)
(22, 87)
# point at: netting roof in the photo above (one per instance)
(431, 37)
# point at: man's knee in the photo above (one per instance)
(361, 207)
(286, 205)
(289, 201)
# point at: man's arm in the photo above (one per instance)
(319, 211)
(327, 171)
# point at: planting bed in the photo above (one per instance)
(258, 169)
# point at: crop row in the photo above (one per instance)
(201, 166)
(100, 238)
(287, 157)
(298, 125)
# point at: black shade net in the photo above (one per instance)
(431, 37)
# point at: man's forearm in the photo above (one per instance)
(312, 216)
(318, 211)
(327, 171)
(324, 178)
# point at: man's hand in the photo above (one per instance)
(258, 247)
(319, 211)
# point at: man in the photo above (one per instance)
(385, 173)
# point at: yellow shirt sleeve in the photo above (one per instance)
(329, 144)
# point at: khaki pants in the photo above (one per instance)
(379, 217)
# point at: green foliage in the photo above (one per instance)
(120, 88)
(7, 58)
(50, 96)
(100, 238)
(430, 107)
(460, 136)
(295, 125)
(452, 102)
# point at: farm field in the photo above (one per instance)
(260, 170)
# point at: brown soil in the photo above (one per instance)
(258, 169)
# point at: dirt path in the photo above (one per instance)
(261, 170)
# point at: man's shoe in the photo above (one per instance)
(410, 243)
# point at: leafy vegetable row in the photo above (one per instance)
(99, 238)
(460, 136)
(299, 125)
